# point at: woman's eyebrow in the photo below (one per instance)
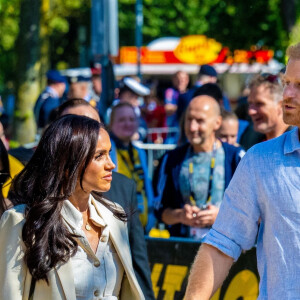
(100, 151)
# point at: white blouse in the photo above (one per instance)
(99, 275)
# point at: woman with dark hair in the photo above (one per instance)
(58, 242)
(4, 175)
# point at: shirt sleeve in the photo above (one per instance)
(236, 226)
(171, 96)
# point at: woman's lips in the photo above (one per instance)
(108, 177)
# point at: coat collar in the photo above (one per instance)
(117, 230)
(119, 237)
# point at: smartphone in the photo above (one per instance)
(203, 207)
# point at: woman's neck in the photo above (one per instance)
(80, 199)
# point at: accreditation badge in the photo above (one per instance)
(197, 233)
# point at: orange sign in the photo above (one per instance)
(194, 49)
(197, 49)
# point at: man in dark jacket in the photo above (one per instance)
(197, 173)
(50, 98)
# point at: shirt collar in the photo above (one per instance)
(74, 217)
(292, 142)
(52, 91)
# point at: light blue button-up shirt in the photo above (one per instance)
(266, 186)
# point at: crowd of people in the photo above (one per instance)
(64, 203)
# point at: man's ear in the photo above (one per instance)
(218, 123)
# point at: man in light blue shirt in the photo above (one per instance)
(265, 190)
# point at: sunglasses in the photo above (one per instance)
(270, 78)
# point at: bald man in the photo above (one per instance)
(197, 173)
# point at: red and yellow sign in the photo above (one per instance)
(194, 49)
(197, 49)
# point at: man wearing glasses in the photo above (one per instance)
(265, 189)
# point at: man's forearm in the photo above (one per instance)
(208, 273)
(172, 216)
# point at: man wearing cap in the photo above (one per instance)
(79, 89)
(131, 91)
(207, 74)
(50, 98)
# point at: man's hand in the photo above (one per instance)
(207, 217)
(188, 215)
(191, 215)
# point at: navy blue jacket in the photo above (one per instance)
(44, 105)
(171, 196)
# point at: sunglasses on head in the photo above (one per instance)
(270, 77)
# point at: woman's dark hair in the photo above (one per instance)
(4, 175)
(61, 158)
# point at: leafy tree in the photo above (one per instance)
(236, 24)
(55, 43)
(36, 35)
(9, 29)
(27, 77)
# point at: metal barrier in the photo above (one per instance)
(154, 153)
(167, 135)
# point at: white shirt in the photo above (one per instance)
(99, 275)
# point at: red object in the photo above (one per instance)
(155, 118)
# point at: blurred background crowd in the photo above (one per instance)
(184, 88)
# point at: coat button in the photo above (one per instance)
(96, 293)
(97, 264)
(104, 239)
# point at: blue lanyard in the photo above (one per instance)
(210, 180)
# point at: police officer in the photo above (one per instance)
(50, 98)
(80, 88)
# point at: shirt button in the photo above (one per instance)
(104, 239)
(97, 264)
(96, 293)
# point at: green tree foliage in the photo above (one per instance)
(9, 29)
(236, 24)
(60, 23)
(35, 35)
(29, 64)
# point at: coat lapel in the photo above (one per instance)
(65, 274)
(119, 237)
(117, 231)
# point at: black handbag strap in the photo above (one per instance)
(32, 287)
